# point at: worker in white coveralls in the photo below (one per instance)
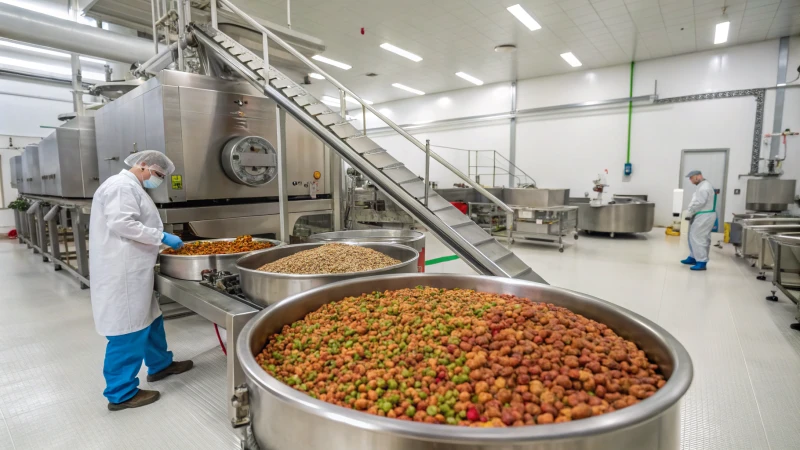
(125, 233)
(702, 215)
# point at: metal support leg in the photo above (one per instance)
(32, 229)
(51, 218)
(214, 14)
(81, 250)
(283, 187)
(18, 226)
(41, 229)
(233, 329)
(181, 34)
(509, 226)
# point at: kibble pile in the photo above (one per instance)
(331, 258)
(460, 357)
(241, 244)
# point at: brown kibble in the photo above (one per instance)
(581, 411)
(544, 419)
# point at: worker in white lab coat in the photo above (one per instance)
(125, 234)
(703, 214)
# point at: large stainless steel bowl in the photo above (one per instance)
(413, 239)
(286, 419)
(190, 268)
(633, 217)
(266, 288)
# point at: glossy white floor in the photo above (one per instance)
(745, 395)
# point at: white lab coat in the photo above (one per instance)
(124, 236)
(701, 225)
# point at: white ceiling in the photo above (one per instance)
(459, 35)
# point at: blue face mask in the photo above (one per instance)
(152, 182)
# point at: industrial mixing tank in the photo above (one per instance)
(769, 194)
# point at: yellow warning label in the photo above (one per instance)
(177, 182)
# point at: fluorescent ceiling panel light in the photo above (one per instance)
(328, 100)
(44, 51)
(401, 52)
(332, 62)
(316, 76)
(469, 78)
(571, 59)
(409, 89)
(352, 100)
(519, 12)
(721, 34)
(65, 71)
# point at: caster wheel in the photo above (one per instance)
(576, 236)
(761, 277)
(561, 250)
(795, 326)
(773, 297)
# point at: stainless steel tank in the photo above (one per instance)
(191, 267)
(31, 175)
(286, 419)
(68, 160)
(413, 239)
(633, 217)
(769, 194)
(267, 288)
(15, 170)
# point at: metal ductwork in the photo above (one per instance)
(24, 25)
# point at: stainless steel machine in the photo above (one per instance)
(367, 207)
(769, 194)
(623, 215)
(222, 137)
(15, 170)
(68, 160)
(31, 175)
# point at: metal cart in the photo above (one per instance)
(549, 223)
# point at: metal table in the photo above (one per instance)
(549, 223)
(224, 310)
(786, 269)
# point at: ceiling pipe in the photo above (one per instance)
(23, 25)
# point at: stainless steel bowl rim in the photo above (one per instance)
(367, 236)
(311, 245)
(788, 239)
(664, 398)
(276, 243)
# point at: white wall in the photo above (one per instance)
(21, 118)
(568, 149)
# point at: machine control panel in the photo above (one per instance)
(250, 160)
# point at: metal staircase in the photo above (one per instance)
(480, 250)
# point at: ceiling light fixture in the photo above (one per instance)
(401, 52)
(316, 76)
(506, 48)
(328, 100)
(721, 33)
(519, 12)
(408, 89)
(332, 62)
(469, 78)
(571, 59)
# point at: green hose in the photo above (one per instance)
(630, 114)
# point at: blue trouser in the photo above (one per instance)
(124, 355)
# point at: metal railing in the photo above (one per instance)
(474, 166)
(345, 91)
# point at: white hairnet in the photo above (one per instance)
(152, 159)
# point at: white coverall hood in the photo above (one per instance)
(125, 232)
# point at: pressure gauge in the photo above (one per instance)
(250, 160)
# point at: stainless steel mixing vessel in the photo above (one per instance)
(413, 239)
(190, 267)
(286, 419)
(266, 288)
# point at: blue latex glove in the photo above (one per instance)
(173, 241)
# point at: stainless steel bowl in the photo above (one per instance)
(286, 419)
(634, 217)
(266, 288)
(413, 239)
(187, 267)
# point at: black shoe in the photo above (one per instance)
(142, 398)
(173, 369)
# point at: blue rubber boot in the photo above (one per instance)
(699, 266)
(689, 261)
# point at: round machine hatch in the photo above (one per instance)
(250, 160)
